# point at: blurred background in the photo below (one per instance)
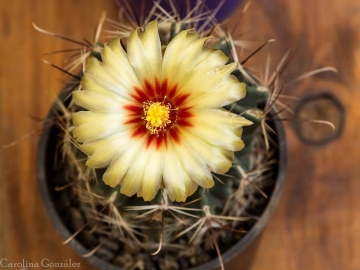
(317, 222)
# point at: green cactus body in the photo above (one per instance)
(140, 228)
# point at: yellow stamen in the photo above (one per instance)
(156, 115)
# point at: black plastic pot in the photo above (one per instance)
(47, 175)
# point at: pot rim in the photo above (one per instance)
(228, 255)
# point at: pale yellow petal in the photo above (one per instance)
(83, 117)
(227, 93)
(190, 186)
(88, 83)
(120, 69)
(119, 167)
(220, 118)
(153, 170)
(210, 59)
(116, 46)
(181, 56)
(135, 176)
(198, 85)
(151, 40)
(108, 80)
(98, 129)
(111, 150)
(96, 102)
(218, 159)
(172, 53)
(174, 175)
(139, 192)
(144, 52)
(90, 147)
(194, 165)
(216, 136)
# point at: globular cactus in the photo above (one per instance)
(163, 233)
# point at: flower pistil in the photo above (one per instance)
(156, 116)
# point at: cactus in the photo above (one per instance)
(161, 233)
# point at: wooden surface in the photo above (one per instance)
(317, 224)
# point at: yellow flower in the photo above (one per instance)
(155, 115)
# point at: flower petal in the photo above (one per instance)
(119, 67)
(190, 186)
(144, 52)
(153, 172)
(181, 56)
(194, 166)
(89, 147)
(227, 93)
(109, 81)
(219, 160)
(215, 136)
(210, 59)
(98, 129)
(174, 175)
(220, 118)
(88, 83)
(118, 168)
(93, 101)
(83, 117)
(111, 150)
(134, 178)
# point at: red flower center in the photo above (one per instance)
(158, 112)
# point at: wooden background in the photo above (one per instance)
(317, 224)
